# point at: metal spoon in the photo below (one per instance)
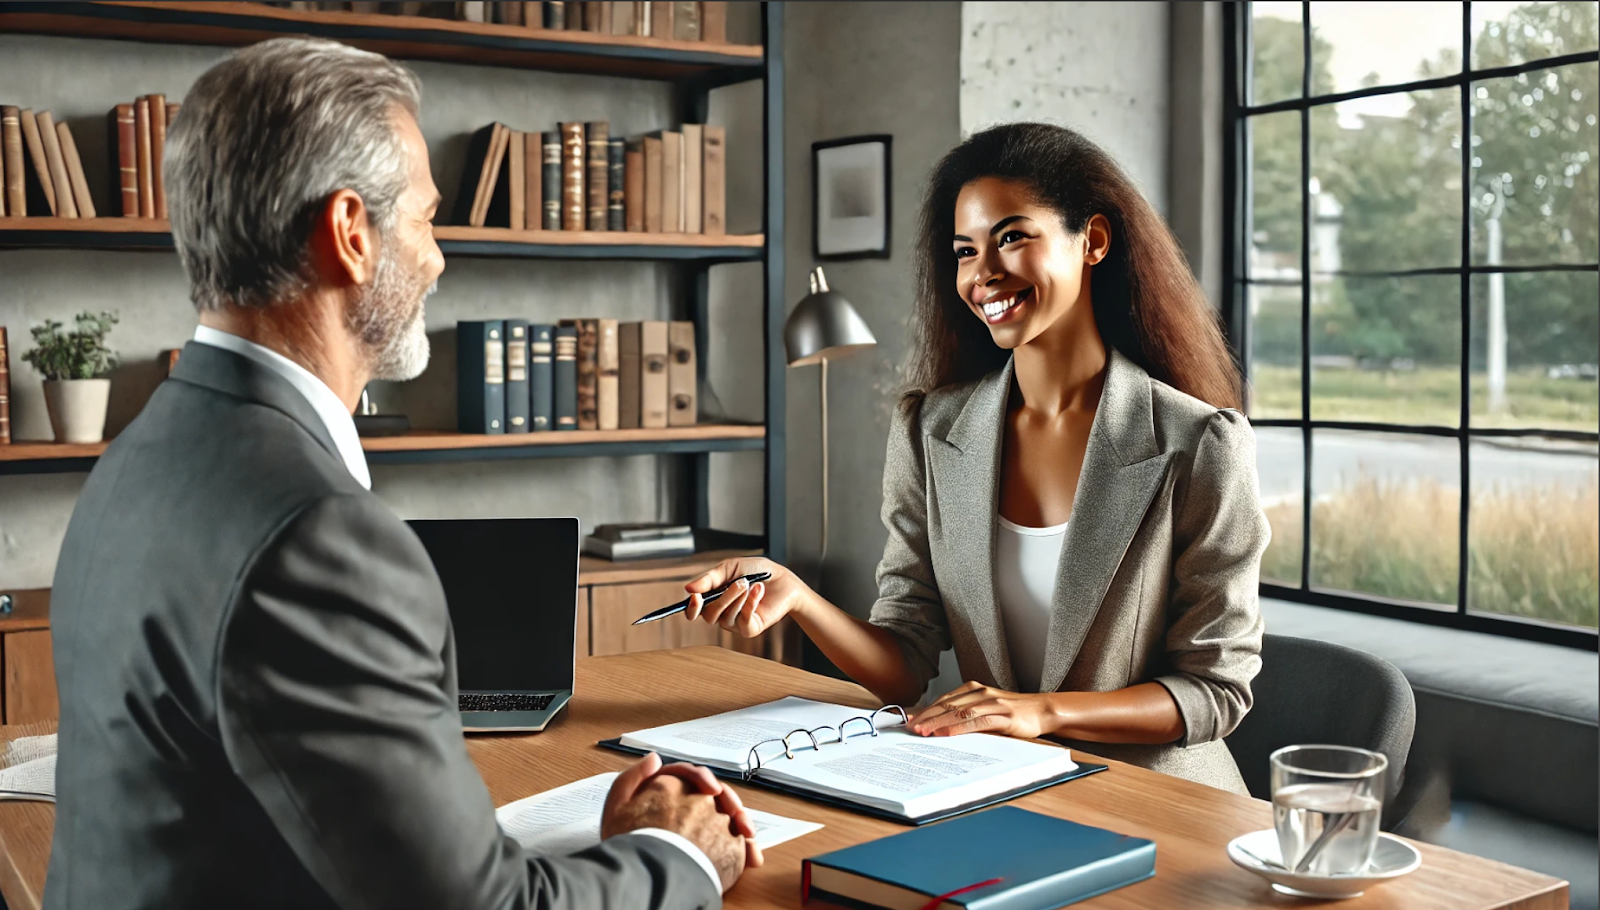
(1328, 834)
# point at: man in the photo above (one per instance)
(257, 677)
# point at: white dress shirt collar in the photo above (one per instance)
(335, 416)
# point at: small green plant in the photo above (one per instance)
(79, 354)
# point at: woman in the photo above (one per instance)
(1071, 498)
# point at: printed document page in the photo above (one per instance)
(28, 768)
(567, 819)
(896, 770)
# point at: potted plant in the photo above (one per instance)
(73, 364)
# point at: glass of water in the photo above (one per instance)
(1325, 804)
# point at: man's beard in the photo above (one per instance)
(388, 319)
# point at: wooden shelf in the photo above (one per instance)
(407, 37)
(454, 240)
(425, 446)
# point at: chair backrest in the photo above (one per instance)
(1316, 692)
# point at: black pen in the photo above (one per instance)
(683, 604)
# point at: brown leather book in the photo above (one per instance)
(172, 113)
(491, 176)
(671, 182)
(633, 186)
(686, 20)
(141, 125)
(575, 13)
(80, 186)
(171, 359)
(66, 206)
(11, 149)
(158, 151)
(693, 142)
(652, 184)
(661, 19)
(621, 17)
(572, 167)
(714, 175)
(641, 18)
(606, 369)
(532, 185)
(628, 364)
(41, 161)
(653, 350)
(593, 16)
(516, 161)
(714, 21)
(598, 136)
(588, 371)
(124, 157)
(533, 14)
(5, 384)
(681, 409)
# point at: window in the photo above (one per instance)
(1418, 315)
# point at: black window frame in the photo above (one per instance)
(1237, 111)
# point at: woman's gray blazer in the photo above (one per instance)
(1158, 573)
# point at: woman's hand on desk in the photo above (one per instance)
(975, 708)
(748, 610)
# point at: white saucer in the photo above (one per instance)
(1391, 858)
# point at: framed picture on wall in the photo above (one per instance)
(850, 198)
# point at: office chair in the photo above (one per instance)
(1316, 692)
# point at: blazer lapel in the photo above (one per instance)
(212, 367)
(966, 471)
(1122, 470)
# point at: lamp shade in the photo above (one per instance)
(824, 326)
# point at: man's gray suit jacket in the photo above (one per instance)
(258, 686)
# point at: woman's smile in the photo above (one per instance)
(1003, 306)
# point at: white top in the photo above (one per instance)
(1025, 566)
(335, 416)
(342, 427)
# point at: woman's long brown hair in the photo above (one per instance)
(1146, 303)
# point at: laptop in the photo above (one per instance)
(512, 588)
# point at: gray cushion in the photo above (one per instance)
(1479, 699)
(1521, 841)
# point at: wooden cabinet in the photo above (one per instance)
(28, 680)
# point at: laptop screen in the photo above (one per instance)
(512, 587)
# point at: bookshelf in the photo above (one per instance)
(693, 69)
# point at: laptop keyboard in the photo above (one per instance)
(506, 701)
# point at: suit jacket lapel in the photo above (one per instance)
(1122, 470)
(966, 471)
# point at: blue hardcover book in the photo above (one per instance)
(541, 377)
(517, 399)
(480, 377)
(1002, 859)
(564, 382)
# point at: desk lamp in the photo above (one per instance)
(824, 326)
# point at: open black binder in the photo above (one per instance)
(1083, 769)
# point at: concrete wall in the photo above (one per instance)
(857, 68)
(1099, 68)
(79, 80)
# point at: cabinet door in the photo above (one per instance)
(30, 689)
(613, 608)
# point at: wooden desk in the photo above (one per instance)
(1189, 822)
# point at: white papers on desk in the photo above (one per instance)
(28, 768)
(567, 819)
(896, 771)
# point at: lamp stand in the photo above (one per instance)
(823, 555)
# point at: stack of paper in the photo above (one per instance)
(28, 768)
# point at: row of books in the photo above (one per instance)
(684, 21)
(583, 374)
(5, 390)
(55, 183)
(580, 178)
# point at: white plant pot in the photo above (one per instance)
(77, 408)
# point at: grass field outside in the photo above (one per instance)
(1426, 395)
(1534, 549)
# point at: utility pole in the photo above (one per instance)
(1497, 309)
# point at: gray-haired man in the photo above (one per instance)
(256, 670)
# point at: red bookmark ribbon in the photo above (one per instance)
(934, 904)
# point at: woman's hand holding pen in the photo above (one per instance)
(747, 609)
